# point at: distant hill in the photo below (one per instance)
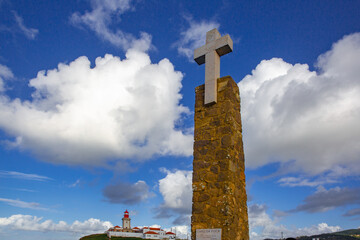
(351, 234)
(104, 237)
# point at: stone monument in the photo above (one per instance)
(219, 209)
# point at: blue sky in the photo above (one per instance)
(96, 113)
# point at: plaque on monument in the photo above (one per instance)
(208, 234)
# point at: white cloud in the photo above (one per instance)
(75, 184)
(263, 226)
(176, 190)
(259, 218)
(334, 175)
(5, 73)
(155, 226)
(301, 181)
(30, 33)
(352, 212)
(24, 176)
(22, 204)
(34, 223)
(24, 189)
(314, 230)
(127, 193)
(291, 113)
(323, 200)
(118, 109)
(194, 37)
(101, 17)
(297, 181)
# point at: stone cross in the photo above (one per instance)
(210, 54)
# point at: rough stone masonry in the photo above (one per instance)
(219, 195)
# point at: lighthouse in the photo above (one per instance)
(138, 233)
(126, 221)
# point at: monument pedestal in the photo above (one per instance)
(219, 195)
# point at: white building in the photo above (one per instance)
(145, 232)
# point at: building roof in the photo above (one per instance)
(151, 232)
(117, 226)
(157, 229)
(136, 228)
(170, 233)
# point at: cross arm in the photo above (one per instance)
(222, 46)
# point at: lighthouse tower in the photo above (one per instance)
(126, 220)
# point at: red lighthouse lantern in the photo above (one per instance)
(126, 214)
